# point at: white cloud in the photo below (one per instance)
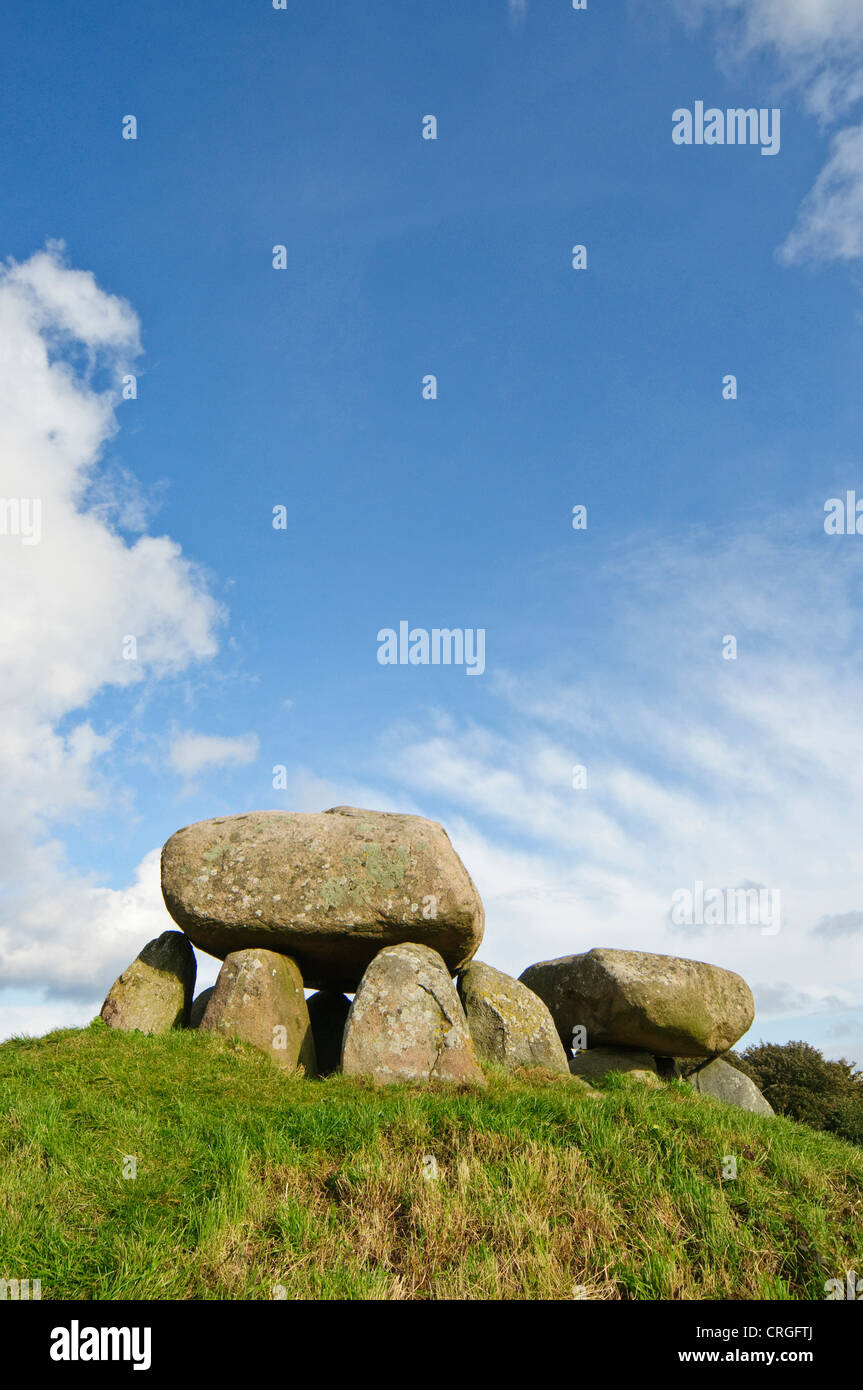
(517, 11)
(727, 772)
(817, 44)
(830, 222)
(817, 50)
(73, 935)
(69, 603)
(190, 753)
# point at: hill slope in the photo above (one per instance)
(251, 1184)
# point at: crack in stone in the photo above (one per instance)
(451, 1021)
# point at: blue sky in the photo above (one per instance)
(302, 387)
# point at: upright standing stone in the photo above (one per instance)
(328, 890)
(259, 998)
(407, 1023)
(724, 1082)
(508, 1023)
(154, 993)
(199, 1007)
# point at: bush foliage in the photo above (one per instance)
(801, 1083)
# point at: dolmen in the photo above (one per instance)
(379, 906)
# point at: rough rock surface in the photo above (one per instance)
(664, 1004)
(328, 889)
(407, 1022)
(258, 997)
(199, 1005)
(508, 1023)
(724, 1082)
(328, 1012)
(594, 1063)
(154, 993)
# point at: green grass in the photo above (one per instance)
(248, 1179)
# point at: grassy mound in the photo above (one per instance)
(251, 1184)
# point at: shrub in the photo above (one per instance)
(801, 1083)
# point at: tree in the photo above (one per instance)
(803, 1084)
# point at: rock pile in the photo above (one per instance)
(382, 906)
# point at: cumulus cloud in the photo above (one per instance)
(190, 753)
(71, 933)
(70, 602)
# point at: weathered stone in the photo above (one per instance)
(155, 992)
(258, 998)
(328, 1013)
(508, 1023)
(329, 890)
(199, 1005)
(584, 1087)
(724, 1082)
(407, 1023)
(594, 1063)
(664, 1004)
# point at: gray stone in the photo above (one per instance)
(594, 1063)
(259, 998)
(407, 1022)
(724, 1082)
(509, 1024)
(199, 1006)
(154, 993)
(664, 1004)
(328, 890)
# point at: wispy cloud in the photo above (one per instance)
(727, 772)
(842, 924)
(191, 753)
(830, 222)
(815, 48)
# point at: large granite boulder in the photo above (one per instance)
(154, 993)
(594, 1063)
(407, 1023)
(724, 1082)
(328, 1013)
(328, 889)
(663, 1004)
(259, 998)
(508, 1023)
